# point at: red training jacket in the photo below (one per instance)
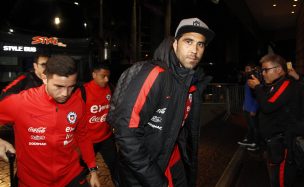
(97, 108)
(47, 139)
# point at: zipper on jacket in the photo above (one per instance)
(178, 129)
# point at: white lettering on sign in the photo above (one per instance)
(19, 48)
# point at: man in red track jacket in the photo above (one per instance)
(98, 95)
(49, 131)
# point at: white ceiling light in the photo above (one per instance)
(57, 21)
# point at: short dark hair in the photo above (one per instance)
(250, 65)
(40, 55)
(275, 59)
(61, 65)
(102, 65)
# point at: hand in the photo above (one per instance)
(252, 114)
(5, 147)
(253, 82)
(293, 73)
(94, 181)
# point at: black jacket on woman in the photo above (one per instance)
(147, 111)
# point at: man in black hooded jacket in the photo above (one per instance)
(155, 111)
(29, 79)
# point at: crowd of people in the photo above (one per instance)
(59, 126)
(147, 131)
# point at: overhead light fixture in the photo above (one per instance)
(10, 31)
(85, 25)
(57, 21)
(76, 3)
(294, 5)
(215, 1)
(274, 5)
(292, 12)
(295, 0)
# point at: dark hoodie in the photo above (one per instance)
(165, 53)
(146, 113)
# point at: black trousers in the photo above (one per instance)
(281, 167)
(107, 149)
(128, 179)
(253, 129)
(79, 180)
(178, 175)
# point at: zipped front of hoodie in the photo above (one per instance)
(186, 86)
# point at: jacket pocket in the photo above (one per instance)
(276, 149)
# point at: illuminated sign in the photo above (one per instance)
(47, 41)
(19, 48)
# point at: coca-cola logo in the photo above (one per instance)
(96, 119)
(39, 130)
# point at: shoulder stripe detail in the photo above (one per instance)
(16, 81)
(192, 89)
(142, 96)
(279, 92)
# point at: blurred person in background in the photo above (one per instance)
(250, 108)
(29, 79)
(98, 96)
(279, 99)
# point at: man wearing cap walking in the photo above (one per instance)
(155, 111)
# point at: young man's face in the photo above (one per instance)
(39, 66)
(189, 49)
(60, 88)
(101, 77)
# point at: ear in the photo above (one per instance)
(93, 75)
(175, 45)
(35, 66)
(280, 69)
(44, 79)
